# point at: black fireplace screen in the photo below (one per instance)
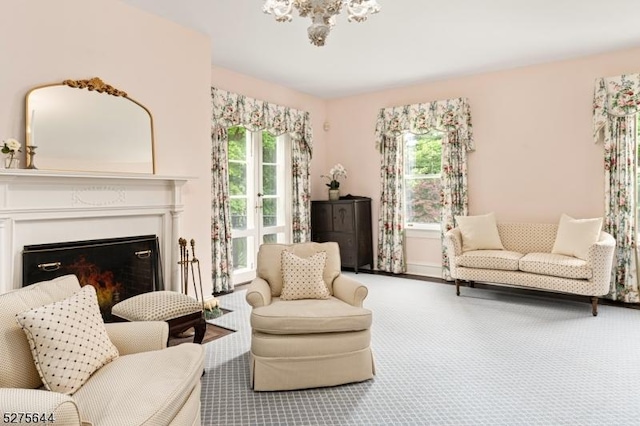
(118, 268)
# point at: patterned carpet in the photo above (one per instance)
(484, 358)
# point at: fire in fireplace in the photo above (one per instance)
(118, 268)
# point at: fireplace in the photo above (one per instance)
(118, 268)
(45, 207)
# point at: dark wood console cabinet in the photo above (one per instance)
(348, 222)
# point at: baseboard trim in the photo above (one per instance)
(425, 269)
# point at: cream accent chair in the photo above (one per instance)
(298, 344)
(147, 384)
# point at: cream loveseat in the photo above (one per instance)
(147, 384)
(309, 342)
(527, 261)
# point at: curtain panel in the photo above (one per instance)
(453, 118)
(231, 109)
(616, 104)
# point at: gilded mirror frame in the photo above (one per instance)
(92, 85)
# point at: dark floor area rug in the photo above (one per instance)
(213, 332)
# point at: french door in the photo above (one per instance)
(259, 187)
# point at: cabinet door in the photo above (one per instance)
(343, 217)
(347, 248)
(321, 217)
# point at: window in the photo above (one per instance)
(422, 168)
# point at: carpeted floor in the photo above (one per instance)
(484, 358)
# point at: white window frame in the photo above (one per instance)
(417, 229)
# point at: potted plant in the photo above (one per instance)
(336, 172)
(11, 147)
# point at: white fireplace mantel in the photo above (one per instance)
(41, 207)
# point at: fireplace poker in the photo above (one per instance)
(186, 268)
(184, 258)
(193, 271)
(181, 263)
(196, 260)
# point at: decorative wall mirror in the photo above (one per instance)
(87, 125)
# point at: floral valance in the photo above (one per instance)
(231, 109)
(449, 115)
(617, 96)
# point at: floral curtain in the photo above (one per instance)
(220, 217)
(615, 107)
(453, 118)
(231, 109)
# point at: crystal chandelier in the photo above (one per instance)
(322, 13)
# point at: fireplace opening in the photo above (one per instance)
(118, 268)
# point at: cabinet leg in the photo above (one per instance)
(594, 306)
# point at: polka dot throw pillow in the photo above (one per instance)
(68, 340)
(302, 278)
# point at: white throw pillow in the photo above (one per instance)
(302, 278)
(68, 340)
(479, 232)
(575, 236)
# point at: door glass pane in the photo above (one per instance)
(269, 145)
(237, 178)
(269, 183)
(270, 212)
(240, 252)
(270, 238)
(238, 213)
(237, 143)
(273, 238)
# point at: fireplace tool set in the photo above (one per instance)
(187, 263)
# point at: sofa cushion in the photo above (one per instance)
(575, 236)
(556, 265)
(269, 265)
(302, 278)
(490, 259)
(146, 388)
(309, 316)
(479, 232)
(17, 369)
(68, 340)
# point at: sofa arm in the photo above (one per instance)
(55, 408)
(258, 293)
(138, 336)
(349, 290)
(600, 259)
(453, 248)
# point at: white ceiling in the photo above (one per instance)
(409, 41)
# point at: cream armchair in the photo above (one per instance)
(147, 384)
(297, 344)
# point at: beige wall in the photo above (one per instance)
(534, 157)
(160, 64)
